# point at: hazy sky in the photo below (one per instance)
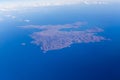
(55, 0)
(15, 4)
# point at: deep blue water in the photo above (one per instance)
(93, 61)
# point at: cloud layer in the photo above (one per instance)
(6, 6)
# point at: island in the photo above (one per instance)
(55, 37)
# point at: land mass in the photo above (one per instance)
(53, 37)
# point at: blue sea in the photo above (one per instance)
(91, 61)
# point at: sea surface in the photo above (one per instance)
(84, 61)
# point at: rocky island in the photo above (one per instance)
(54, 37)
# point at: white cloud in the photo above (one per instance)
(6, 6)
(26, 20)
(10, 16)
(23, 44)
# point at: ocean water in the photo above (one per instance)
(91, 61)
